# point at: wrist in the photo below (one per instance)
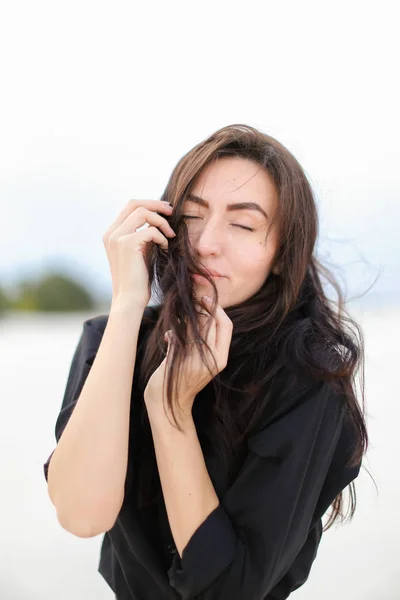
(127, 304)
(162, 416)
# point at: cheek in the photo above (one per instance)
(256, 260)
(252, 261)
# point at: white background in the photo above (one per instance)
(101, 99)
(98, 102)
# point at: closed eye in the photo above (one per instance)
(234, 224)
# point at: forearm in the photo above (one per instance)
(87, 471)
(188, 491)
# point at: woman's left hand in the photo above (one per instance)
(194, 375)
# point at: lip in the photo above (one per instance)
(212, 273)
(199, 277)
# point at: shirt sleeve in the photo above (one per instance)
(82, 361)
(248, 543)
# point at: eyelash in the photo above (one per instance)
(241, 226)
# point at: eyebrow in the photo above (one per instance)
(230, 207)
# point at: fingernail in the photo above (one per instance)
(207, 298)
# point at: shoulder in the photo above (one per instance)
(93, 330)
(97, 324)
(308, 415)
(292, 393)
(301, 414)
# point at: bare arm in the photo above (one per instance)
(188, 491)
(87, 471)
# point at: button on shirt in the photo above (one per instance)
(261, 540)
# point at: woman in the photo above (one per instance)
(207, 439)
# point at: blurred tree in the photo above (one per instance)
(5, 301)
(53, 293)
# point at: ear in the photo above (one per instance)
(276, 270)
(276, 265)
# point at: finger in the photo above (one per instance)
(212, 330)
(207, 329)
(202, 318)
(138, 219)
(207, 326)
(169, 338)
(153, 205)
(223, 329)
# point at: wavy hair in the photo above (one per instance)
(290, 323)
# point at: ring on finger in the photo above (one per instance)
(145, 226)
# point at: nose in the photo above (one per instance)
(207, 239)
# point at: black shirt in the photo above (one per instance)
(261, 540)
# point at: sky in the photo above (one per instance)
(100, 100)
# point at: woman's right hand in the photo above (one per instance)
(125, 248)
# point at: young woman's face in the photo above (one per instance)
(217, 230)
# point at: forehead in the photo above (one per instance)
(235, 179)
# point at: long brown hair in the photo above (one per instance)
(290, 323)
